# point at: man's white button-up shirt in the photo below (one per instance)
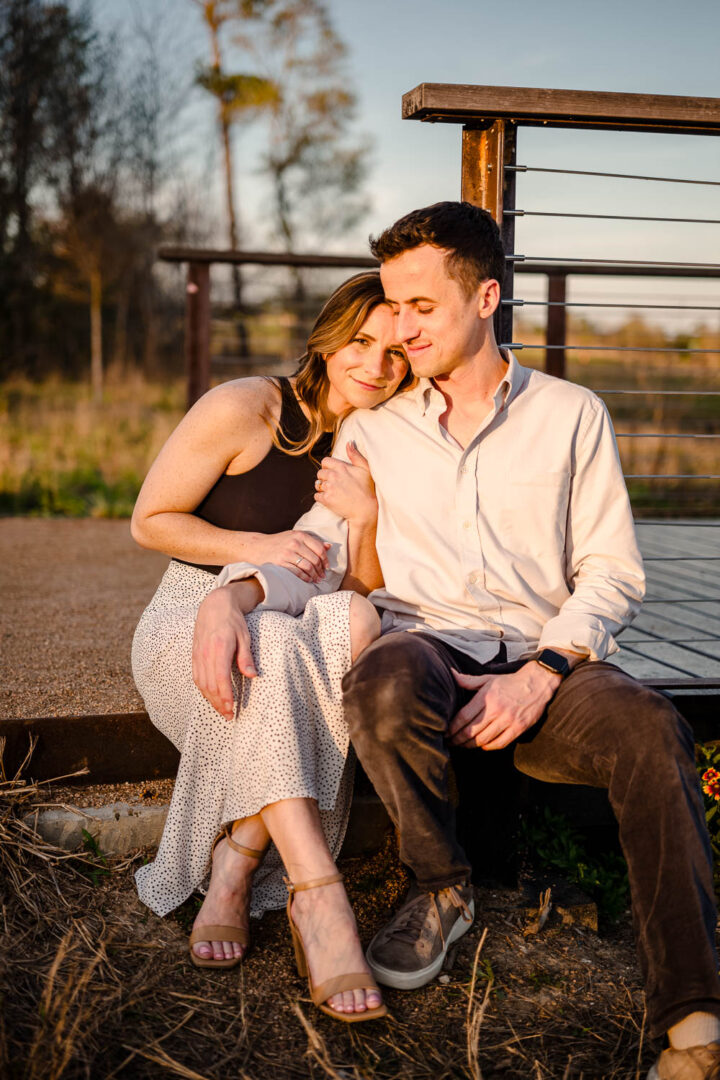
(524, 536)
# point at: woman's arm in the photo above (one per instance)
(226, 425)
(348, 490)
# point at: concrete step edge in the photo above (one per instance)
(120, 828)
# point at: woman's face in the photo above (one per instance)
(369, 368)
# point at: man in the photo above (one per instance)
(509, 560)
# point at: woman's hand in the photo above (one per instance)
(221, 636)
(347, 489)
(298, 551)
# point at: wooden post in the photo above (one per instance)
(556, 325)
(485, 153)
(197, 331)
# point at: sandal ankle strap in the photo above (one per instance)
(226, 834)
(252, 853)
(315, 884)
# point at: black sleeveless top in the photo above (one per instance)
(277, 491)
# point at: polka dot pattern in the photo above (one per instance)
(288, 740)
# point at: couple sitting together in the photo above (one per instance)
(482, 505)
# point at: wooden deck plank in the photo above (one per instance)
(675, 620)
(690, 628)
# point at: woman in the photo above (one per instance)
(228, 485)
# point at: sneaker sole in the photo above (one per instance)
(412, 980)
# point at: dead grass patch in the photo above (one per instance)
(95, 986)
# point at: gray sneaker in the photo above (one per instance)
(695, 1063)
(411, 949)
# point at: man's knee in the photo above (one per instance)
(384, 689)
(645, 720)
(637, 721)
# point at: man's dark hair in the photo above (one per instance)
(467, 233)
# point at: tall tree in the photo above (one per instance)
(315, 161)
(42, 48)
(239, 97)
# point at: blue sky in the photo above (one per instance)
(645, 46)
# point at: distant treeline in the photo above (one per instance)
(92, 160)
(82, 173)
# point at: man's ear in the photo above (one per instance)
(488, 298)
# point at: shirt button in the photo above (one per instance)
(466, 524)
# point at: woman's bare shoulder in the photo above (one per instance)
(245, 402)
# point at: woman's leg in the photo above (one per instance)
(323, 916)
(364, 625)
(228, 897)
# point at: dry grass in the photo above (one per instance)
(62, 455)
(95, 986)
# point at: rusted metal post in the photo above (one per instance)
(485, 153)
(197, 330)
(556, 325)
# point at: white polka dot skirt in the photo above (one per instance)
(288, 740)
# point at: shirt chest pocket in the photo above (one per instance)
(533, 517)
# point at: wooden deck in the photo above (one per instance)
(677, 633)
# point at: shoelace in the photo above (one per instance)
(409, 923)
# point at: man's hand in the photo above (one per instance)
(221, 636)
(503, 707)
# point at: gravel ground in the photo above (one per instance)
(72, 592)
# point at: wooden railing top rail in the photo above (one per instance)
(262, 258)
(463, 104)
(207, 256)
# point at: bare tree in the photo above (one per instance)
(239, 97)
(315, 162)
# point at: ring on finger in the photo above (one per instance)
(319, 485)
(298, 560)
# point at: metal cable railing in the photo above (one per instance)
(610, 217)
(679, 632)
(613, 175)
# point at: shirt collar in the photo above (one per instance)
(506, 389)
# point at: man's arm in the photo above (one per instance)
(604, 569)
(504, 706)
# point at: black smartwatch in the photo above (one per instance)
(554, 661)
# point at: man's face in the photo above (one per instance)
(440, 326)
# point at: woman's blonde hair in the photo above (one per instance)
(335, 327)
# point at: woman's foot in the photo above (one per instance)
(227, 901)
(332, 946)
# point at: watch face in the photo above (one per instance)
(554, 661)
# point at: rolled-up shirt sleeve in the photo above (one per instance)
(603, 563)
(285, 591)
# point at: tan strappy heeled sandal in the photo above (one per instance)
(360, 980)
(240, 934)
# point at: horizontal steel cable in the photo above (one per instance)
(637, 263)
(613, 348)
(610, 217)
(517, 302)
(617, 176)
(660, 435)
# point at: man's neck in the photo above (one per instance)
(469, 390)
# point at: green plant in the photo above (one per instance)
(553, 842)
(94, 864)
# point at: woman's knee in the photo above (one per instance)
(364, 624)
